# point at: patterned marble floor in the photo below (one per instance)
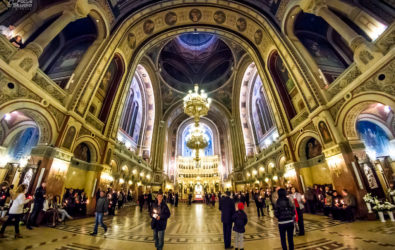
(199, 227)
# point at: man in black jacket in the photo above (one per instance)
(101, 210)
(39, 198)
(160, 213)
(227, 208)
(176, 200)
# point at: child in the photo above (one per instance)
(240, 220)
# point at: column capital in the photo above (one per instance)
(80, 8)
(312, 6)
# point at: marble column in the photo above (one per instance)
(365, 53)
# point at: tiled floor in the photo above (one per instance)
(199, 227)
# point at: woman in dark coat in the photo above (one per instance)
(285, 213)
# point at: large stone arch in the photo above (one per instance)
(348, 114)
(45, 121)
(131, 37)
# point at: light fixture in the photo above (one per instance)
(196, 105)
(266, 180)
(7, 117)
(275, 178)
(122, 181)
(134, 171)
(130, 182)
(254, 172)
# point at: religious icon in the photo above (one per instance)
(326, 136)
(195, 15)
(219, 17)
(370, 176)
(106, 79)
(170, 18)
(241, 24)
(148, 27)
(313, 148)
(81, 152)
(131, 40)
(258, 36)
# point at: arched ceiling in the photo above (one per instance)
(196, 58)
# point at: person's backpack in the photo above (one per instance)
(284, 210)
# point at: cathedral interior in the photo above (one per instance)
(196, 97)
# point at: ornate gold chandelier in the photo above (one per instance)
(197, 105)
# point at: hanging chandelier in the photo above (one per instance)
(196, 105)
(197, 140)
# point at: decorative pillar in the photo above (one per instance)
(26, 60)
(53, 169)
(365, 53)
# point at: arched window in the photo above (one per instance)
(135, 111)
(261, 116)
(127, 117)
(109, 86)
(284, 83)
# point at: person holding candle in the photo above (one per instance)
(327, 201)
(298, 201)
(336, 214)
(349, 205)
(160, 213)
(259, 203)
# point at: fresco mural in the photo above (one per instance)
(82, 152)
(324, 55)
(326, 135)
(284, 74)
(313, 148)
(68, 59)
(23, 143)
(375, 139)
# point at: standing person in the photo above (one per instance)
(16, 211)
(101, 210)
(160, 214)
(298, 204)
(259, 204)
(190, 199)
(4, 194)
(275, 197)
(141, 202)
(39, 198)
(149, 200)
(327, 201)
(213, 199)
(285, 213)
(176, 200)
(227, 210)
(349, 205)
(240, 221)
(248, 198)
(83, 202)
(120, 200)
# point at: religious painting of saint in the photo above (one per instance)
(326, 136)
(284, 74)
(108, 76)
(170, 18)
(195, 15)
(313, 148)
(219, 17)
(131, 40)
(241, 24)
(82, 152)
(258, 37)
(148, 27)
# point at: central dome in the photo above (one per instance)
(192, 58)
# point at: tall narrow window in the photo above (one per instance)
(128, 112)
(134, 118)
